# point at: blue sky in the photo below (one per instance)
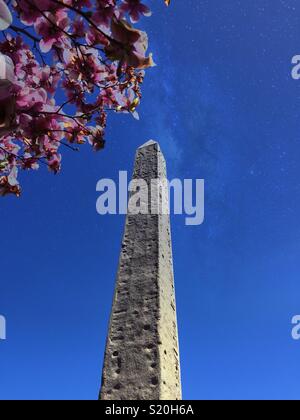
(224, 107)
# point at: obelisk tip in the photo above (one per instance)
(149, 143)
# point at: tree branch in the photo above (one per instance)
(24, 32)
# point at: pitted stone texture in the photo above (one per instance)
(142, 354)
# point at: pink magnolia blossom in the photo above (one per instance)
(134, 8)
(50, 27)
(104, 12)
(30, 10)
(129, 46)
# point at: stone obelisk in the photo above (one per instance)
(142, 352)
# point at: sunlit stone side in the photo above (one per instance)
(142, 352)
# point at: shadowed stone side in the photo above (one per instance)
(142, 354)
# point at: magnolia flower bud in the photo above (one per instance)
(7, 114)
(7, 71)
(5, 16)
(7, 100)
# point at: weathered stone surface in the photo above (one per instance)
(142, 354)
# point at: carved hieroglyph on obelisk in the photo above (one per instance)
(142, 353)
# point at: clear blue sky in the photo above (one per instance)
(223, 106)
